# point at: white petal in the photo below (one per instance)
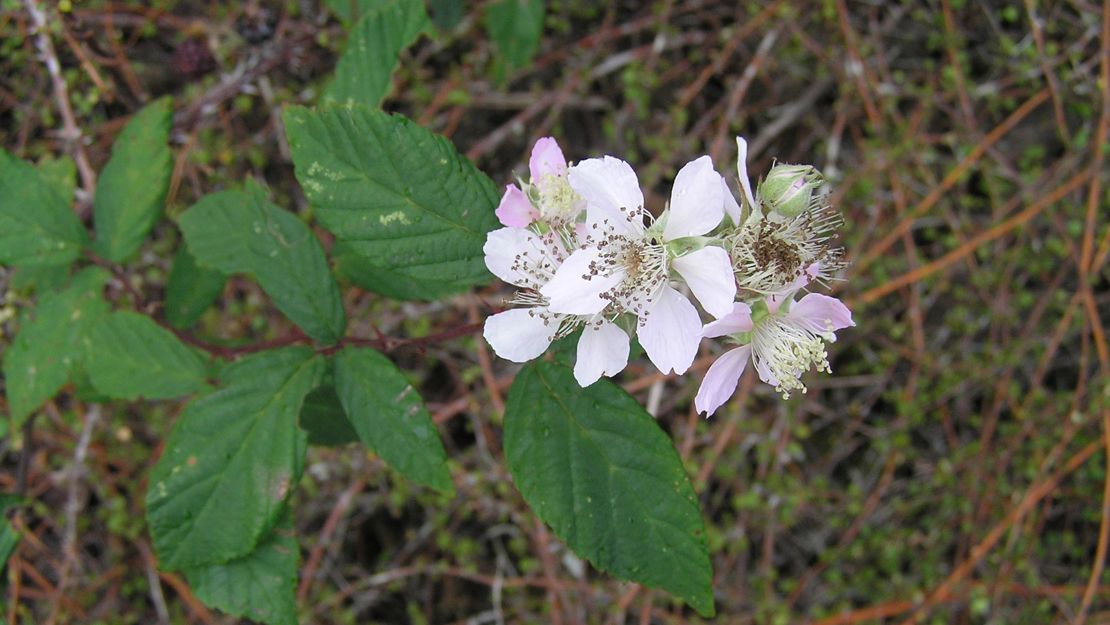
(519, 334)
(609, 185)
(821, 314)
(575, 289)
(720, 381)
(508, 249)
(732, 209)
(708, 272)
(742, 170)
(602, 351)
(739, 320)
(670, 332)
(696, 203)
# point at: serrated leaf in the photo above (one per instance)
(515, 26)
(61, 174)
(350, 266)
(363, 74)
(390, 417)
(242, 232)
(595, 467)
(231, 461)
(260, 585)
(37, 225)
(190, 290)
(323, 418)
(128, 356)
(132, 188)
(396, 194)
(49, 345)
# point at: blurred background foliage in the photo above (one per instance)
(951, 470)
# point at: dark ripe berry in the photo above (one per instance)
(193, 59)
(256, 25)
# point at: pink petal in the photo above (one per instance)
(721, 380)
(602, 351)
(519, 334)
(508, 250)
(547, 159)
(609, 185)
(820, 314)
(575, 290)
(515, 211)
(739, 320)
(732, 209)
(742, 170)
(670, 332)
(696, 203)
(708, 273)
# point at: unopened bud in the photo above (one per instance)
(788, 189)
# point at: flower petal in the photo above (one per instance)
(511, 251)
(520, 334)
(575, 289)
(515, 211)
(732, 209)
(602, 351)
(670, 332)
(821, 314)
(739, 320)
(708, 272)
(742, 170)
(696, 203)
(547, 159)
(720, 381)
(609, 185)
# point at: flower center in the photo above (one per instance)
(787, 351)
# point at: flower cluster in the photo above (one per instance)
(586, 254)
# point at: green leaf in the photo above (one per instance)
(49, 345)
(132, 188)
(40, 278)
(446, 14)
(240, 231)
(9, 537)
(349, 265)
(395, 194)
(390, 417)
(595, 467)
(37, 225)
(323, 418)
(515, 26)
(350, 10)
(231, 461)
(128, 356)
(61, 174)
(367, 63)
(260, 585)
(190, 290)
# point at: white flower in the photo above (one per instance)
(523, 258)
(624, 266)
(547, 197)
(784, 339)
(770, 252)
